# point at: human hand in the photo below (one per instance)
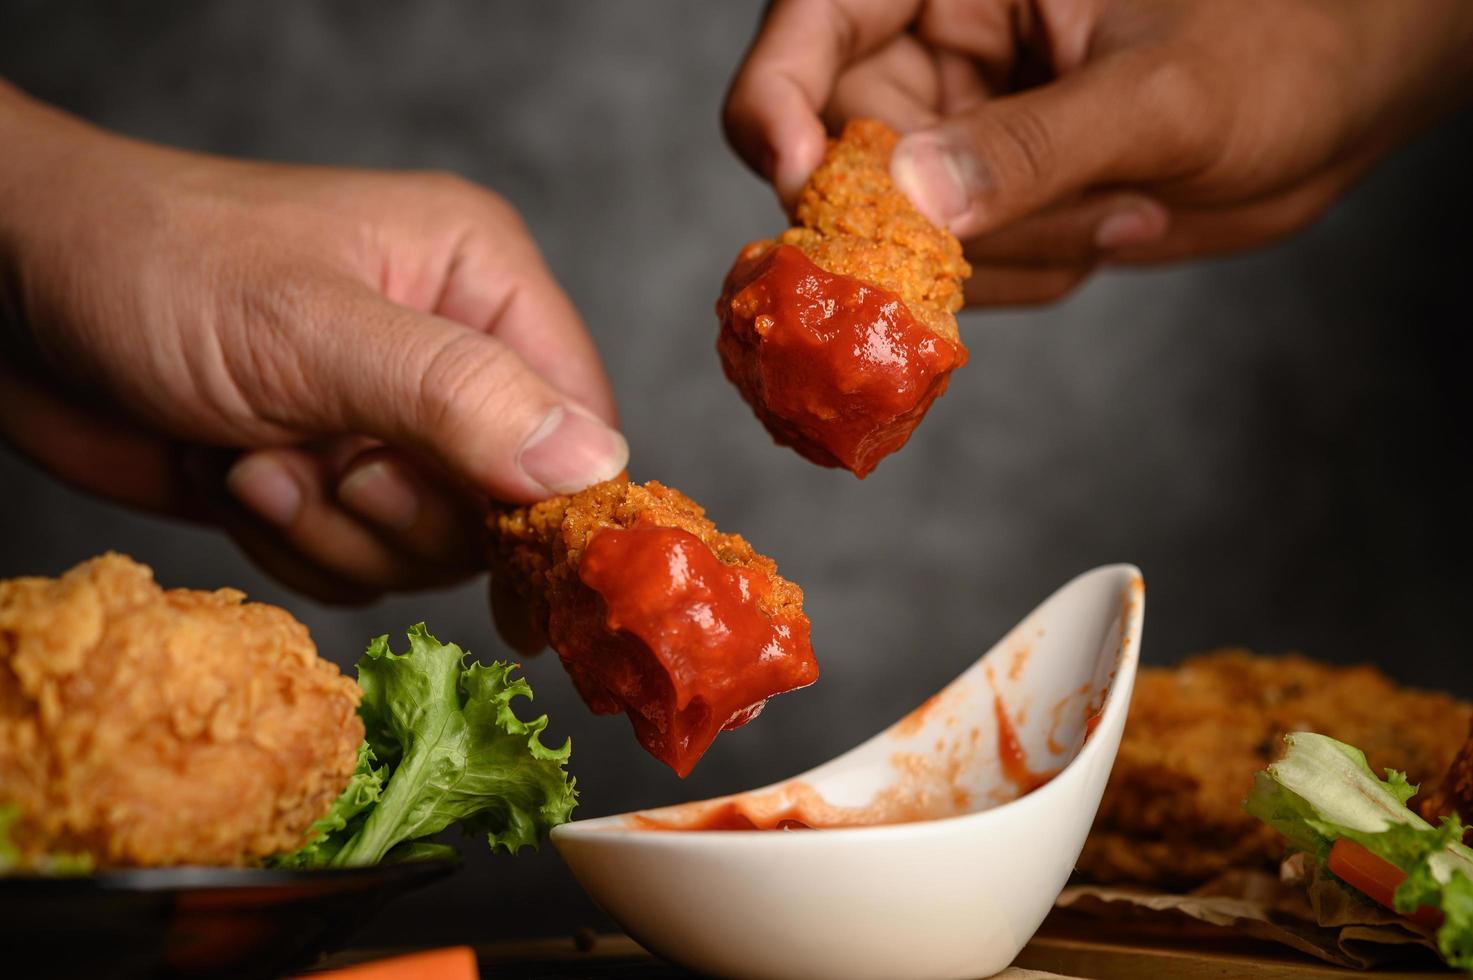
(377, 353)
(1054, 135)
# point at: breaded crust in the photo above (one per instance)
(703, 643)
(537, 549)
(854, 221)
(841, 333)
(150, 727)
(1173, 809)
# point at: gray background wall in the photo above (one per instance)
(1280, 440)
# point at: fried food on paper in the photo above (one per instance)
(140, 726)
(654, 612)
(1173, 813)
(841, 332)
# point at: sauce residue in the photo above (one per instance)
(928, 785)
(926, 788)
(1131, 596)
(1017, 662)
(691, 650)
(728, 816)
(1010, 754)
(835, 367)
(1056, 717)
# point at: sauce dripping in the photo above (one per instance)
(691, 650)
(835, 367)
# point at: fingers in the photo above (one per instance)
(279, 560)
(1042, 259)
(99, 452)
(359, 363)
(899, 85)
(1079, 233)
(1201, 231)
(1019, 285)
(294, 493)
(1130, 118)
(772, 110)
(419, 518)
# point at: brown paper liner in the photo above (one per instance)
(1301, 909)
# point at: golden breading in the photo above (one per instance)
(538, 547)
(854, 221)
(702, 646)
(841, 332)
(1173, 810)
(150, 727)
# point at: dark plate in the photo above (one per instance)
(192, 922)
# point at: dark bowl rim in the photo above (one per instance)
(190, 877)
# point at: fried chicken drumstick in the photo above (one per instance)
(842, 331)
(654, 612)
(140, 726)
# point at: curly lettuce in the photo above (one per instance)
(442, 746)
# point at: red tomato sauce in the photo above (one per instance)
(835, 367)
(1010, 754)
(728, 816)
(693, 653)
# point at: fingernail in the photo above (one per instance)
(939, 177)
(264, 485)
(379, 492)
(572, 449)
(1135, 224)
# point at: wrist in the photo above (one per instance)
(58, 195)
(30, 131)
(36, 138)
(1417, 60)
(16, 123)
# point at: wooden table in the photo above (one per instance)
(1063, 948)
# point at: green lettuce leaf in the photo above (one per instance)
(328, 835)
(1322, 790)
(451, 750)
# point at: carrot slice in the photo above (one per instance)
(452, 963)
(1375, 877)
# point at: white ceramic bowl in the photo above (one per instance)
(957, 895)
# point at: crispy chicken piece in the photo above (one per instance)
(1173, 813)
(1453, 794)
(148, 727)
(654, 612)
(854, 221)
(842, 332)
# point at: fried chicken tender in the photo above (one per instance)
(854, 221)
(655, 612)
(148, 727)
(1453, 794)
(1173, 813)
(842, 331)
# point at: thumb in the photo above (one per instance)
(1116, 121)
(459, 394)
